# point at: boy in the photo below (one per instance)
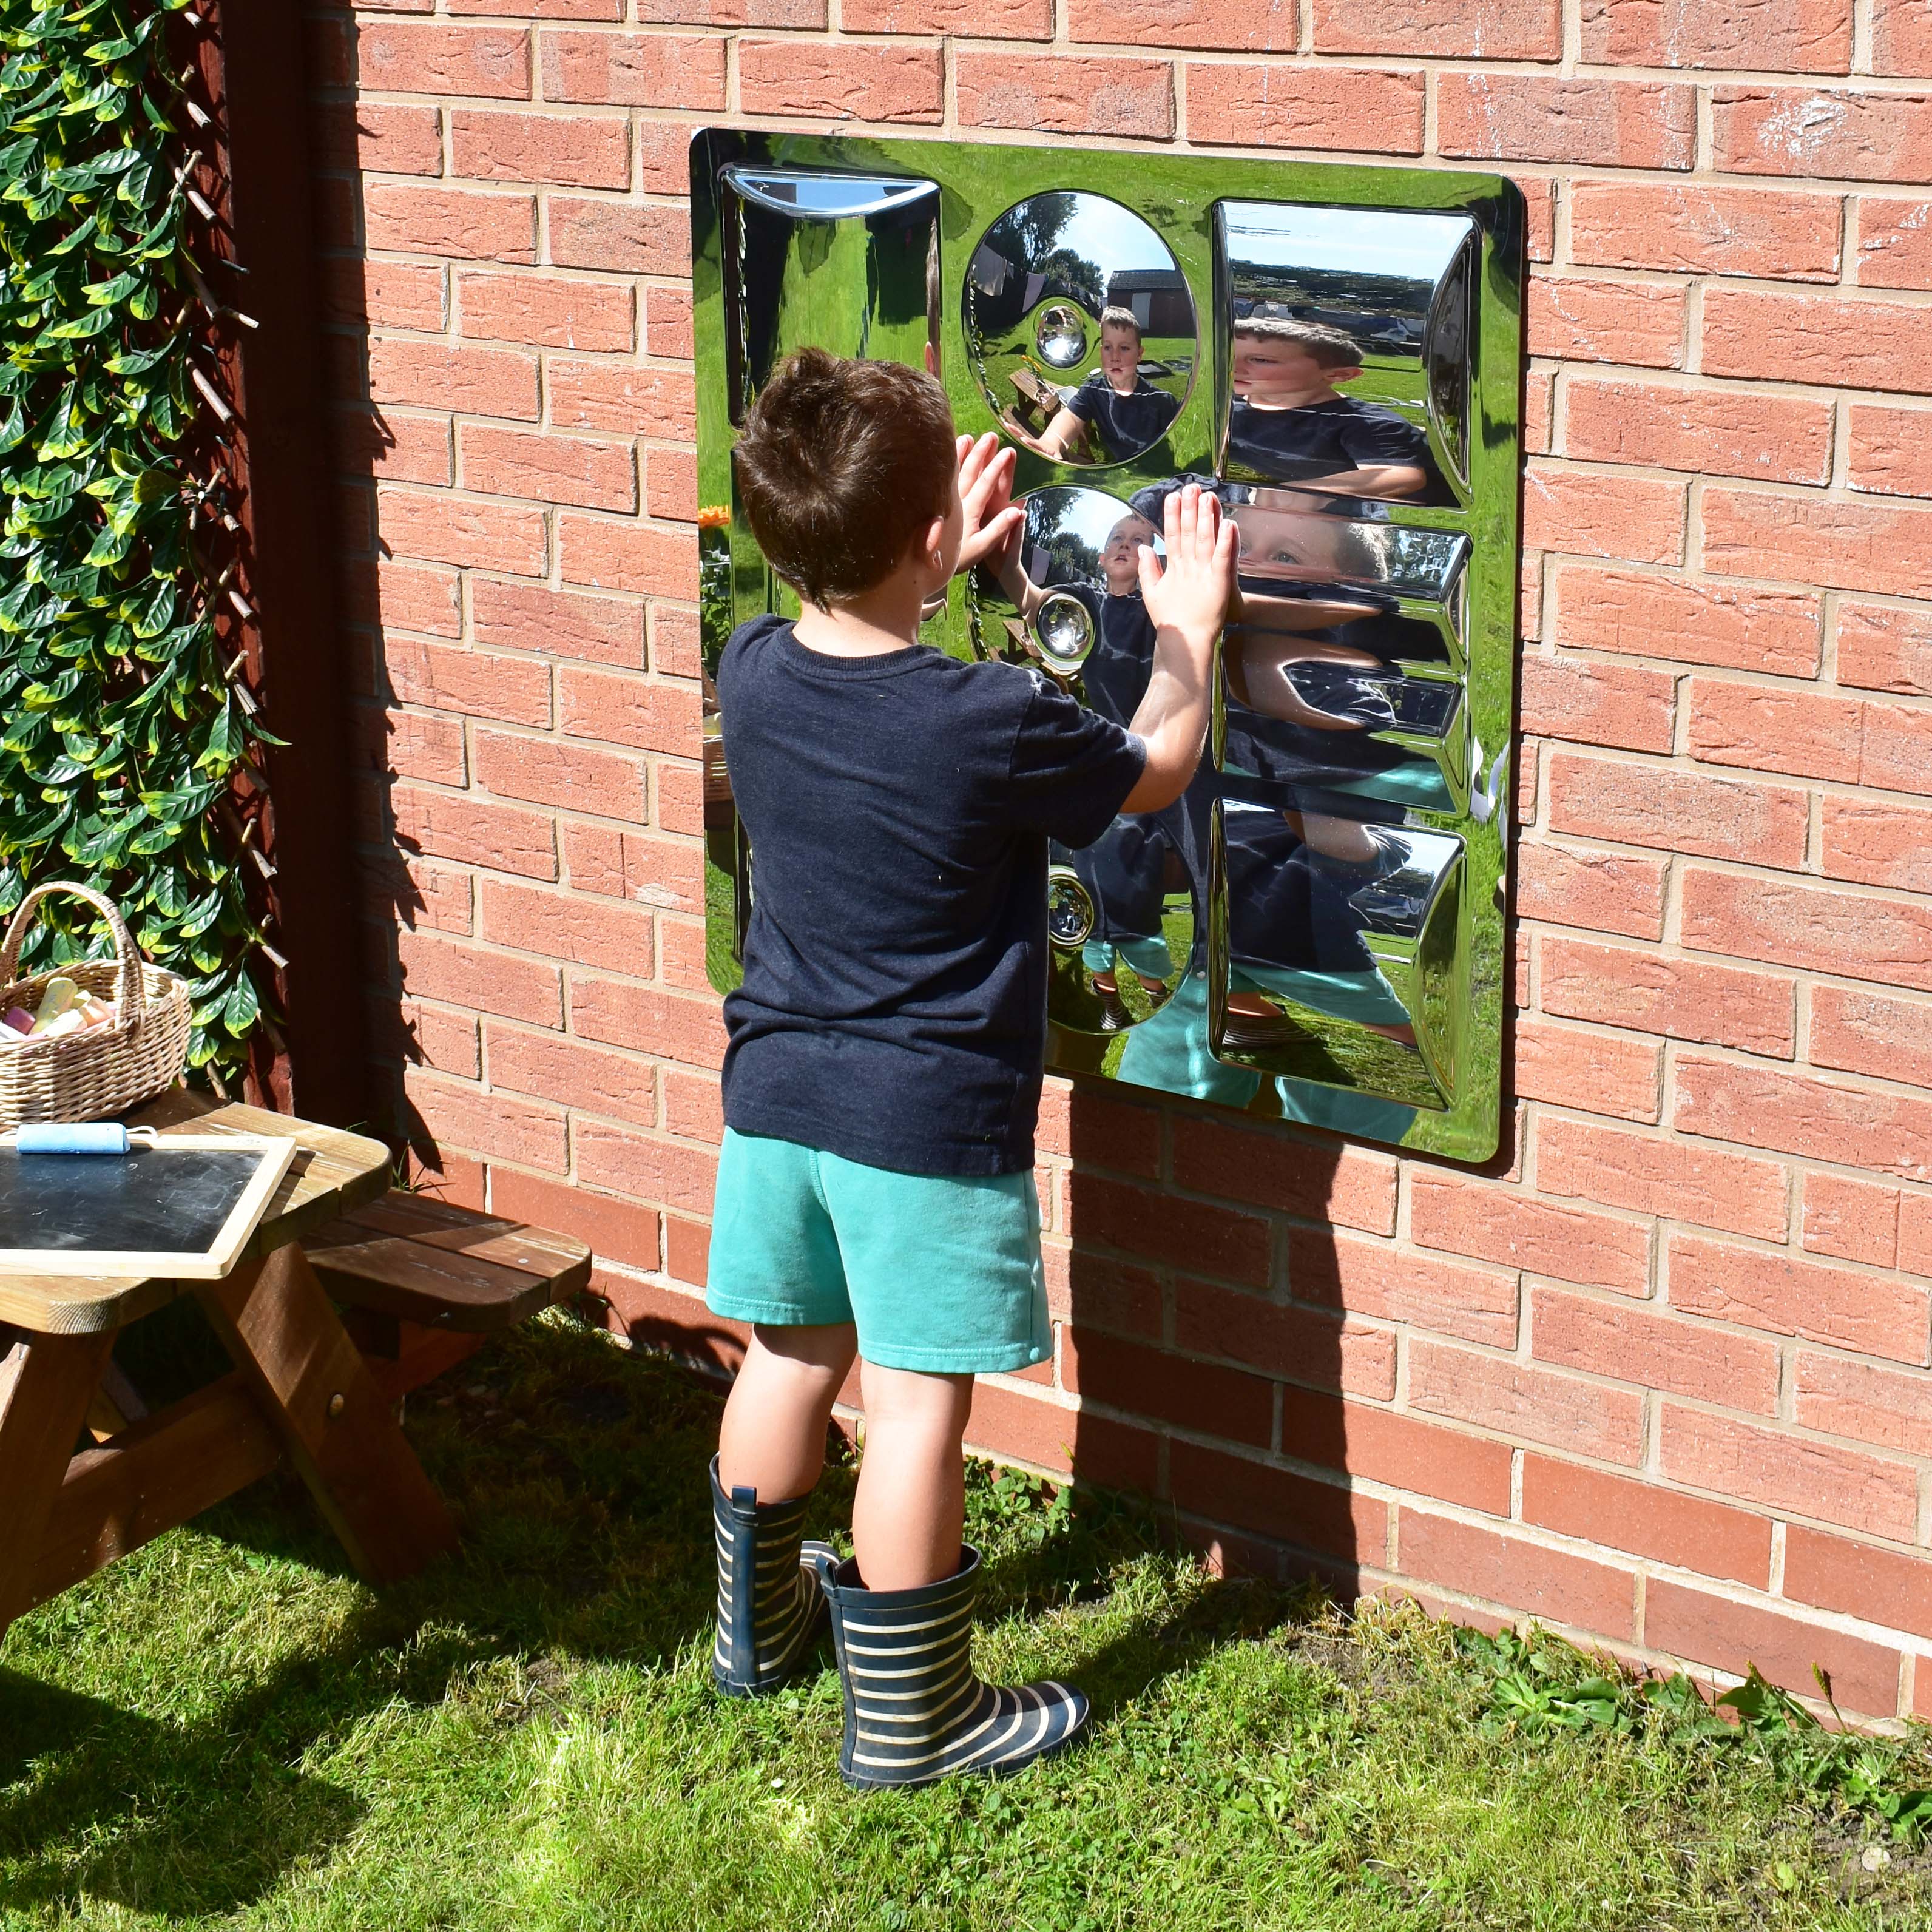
(1126, 412)
(875, 1193)
(1288, 424)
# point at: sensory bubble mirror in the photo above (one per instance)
(1314, 931)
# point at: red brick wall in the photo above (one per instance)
(1664, 1381)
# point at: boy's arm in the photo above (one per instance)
(1187, 602)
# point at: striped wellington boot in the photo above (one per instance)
(914, 1711)
(768, 1603)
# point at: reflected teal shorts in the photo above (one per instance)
(941, 1273)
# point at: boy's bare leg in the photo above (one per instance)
(909, 1514)
(773, 1439)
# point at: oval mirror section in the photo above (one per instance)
(1081, 326)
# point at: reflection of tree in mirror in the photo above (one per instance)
(1052, 527)
(1400, 297)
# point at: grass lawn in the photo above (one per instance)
(229, 1730)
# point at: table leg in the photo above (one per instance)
(284, 1336)
(47, 1382)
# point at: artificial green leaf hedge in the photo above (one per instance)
(122, 733)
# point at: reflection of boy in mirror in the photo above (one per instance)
(1290, 423)
(1124, 413)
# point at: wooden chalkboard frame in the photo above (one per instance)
(211, 1264)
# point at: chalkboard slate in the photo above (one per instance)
(182, 1206)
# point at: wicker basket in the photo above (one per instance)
(101, 1069)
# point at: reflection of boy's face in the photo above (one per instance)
(1120, 357)
(1269, 369)
(1120, 562)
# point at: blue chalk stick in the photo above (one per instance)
(73, 1137)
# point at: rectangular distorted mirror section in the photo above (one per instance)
(1314, 931)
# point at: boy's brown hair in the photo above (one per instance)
(841, 464)
(1331, 348)
(1114, 316)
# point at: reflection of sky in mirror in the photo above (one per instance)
(1087, 515)
(1105, 233)
(829, 195)
(1348, 240)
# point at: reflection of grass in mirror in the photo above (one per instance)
(1304, 1044)
(721, 959)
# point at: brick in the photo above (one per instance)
(635, 69)
(515, 616)
(1848, 133)
(1300, 1345)
(495, 1126)
(608, 556)
(1098, 1130)
(1602, 891)
(664, 167)
(413, 57)
(1530, 1404)
(1763, 233)
(1880, 1586)
(1596, 1072)
(645, 1168)
(1492, 1223)
(680, 798)
(1705, 1629)
(637, 237)
(1682, 998)
(471, 225)
(688, 1253)
(427, 1037)
(569, 150)
(1060, 94)
(1549, 1584)
(1901, 38)
(617, 1231)
(472, 682)
(629, 710)
(1326, 1181)
(1101, 1292)
(474, 381)
(1775, 729)
(394, 447)
(584, 1078)
(1634, 1344)
(553, 468)
(1663, 1176)
(548, 311)
(1323, 1517)
(1887, 450)
(1788, 36)
(568, 777)
(453, 530)
(392, 294)
(670, 484)
(1915, 1234)
(1166, 1388)
(1890, 1408)
(1009, 1423)
(593, 932)
(410, 744)
(403, 596)
(1746, 1462)
(434, 967)
(1811, 927)
(630, 865)
(1843, 343)
(1156, 1227)
(1627, 124)
(404, 890)
(858, 81)
(1894, 244)
(1647, 1520)
(452, 825)
(1812, 1301)
(548, 9)
(1640, 614)
(1707, 431)
(625, 400)
(380, 137)
(1467, 29)
(1538, 406)
(681, 948)
(1676, 811)
(1577, 320)
(1851, 1218)
(1598, 704)
(1589, 513)
(1878, 844)
(1366, 1278)
(1378, 1445)
(619, 1014)
(694, 1107)
(1862, 1032)
(1328, 109)
(1271, 28)
(808, 14)
(668, 322)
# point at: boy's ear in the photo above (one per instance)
(1344, 375)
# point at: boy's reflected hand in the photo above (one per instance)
(1190, 592)
(993, 519)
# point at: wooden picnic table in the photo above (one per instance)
(300, 1387)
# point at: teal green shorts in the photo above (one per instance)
(940, 1272)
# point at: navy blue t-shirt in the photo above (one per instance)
(893, 1010)
(1323, 438)
(1125, 424)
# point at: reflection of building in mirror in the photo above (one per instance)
(1081, 326)
(1345, 338)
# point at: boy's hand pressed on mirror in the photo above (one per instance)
(993, 519)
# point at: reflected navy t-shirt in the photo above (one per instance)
(893, 1010)
(1129, 423)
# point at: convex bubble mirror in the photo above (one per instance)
(1316, 931)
